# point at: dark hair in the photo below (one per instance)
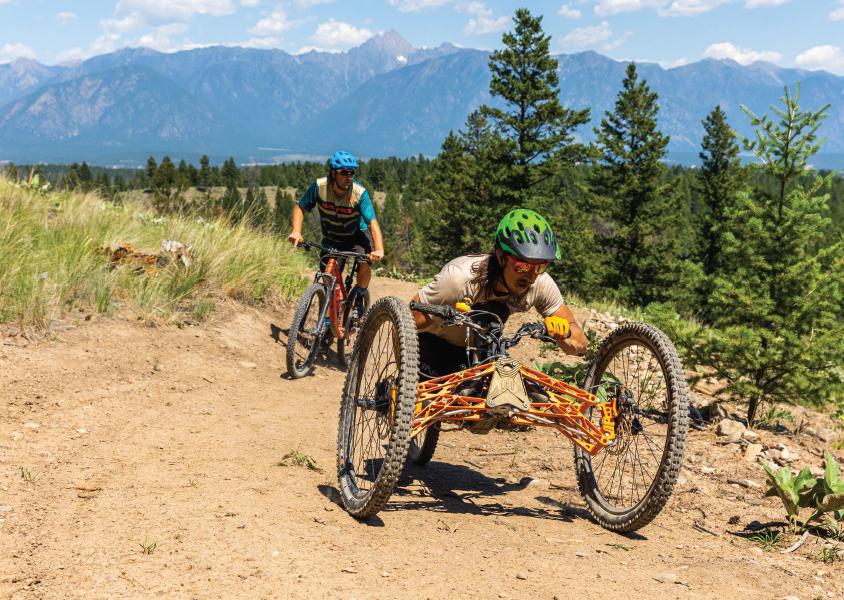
(485, 273)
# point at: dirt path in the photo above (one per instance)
(137, 436)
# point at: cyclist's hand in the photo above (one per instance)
(558, 328)
(464, 305)
(295, 238)
(376, 255)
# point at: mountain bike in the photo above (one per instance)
(327, 310)
(628, 423)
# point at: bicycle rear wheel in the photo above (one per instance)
(629, 482)
(353, 315)
(305, 332)
(377, 407)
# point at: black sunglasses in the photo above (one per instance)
(346, 172)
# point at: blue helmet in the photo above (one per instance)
(343, 160)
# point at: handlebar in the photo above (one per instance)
(329, 251)
(452, 317)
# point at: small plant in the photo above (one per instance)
(147, 547)
(767, 538)
(298, 459)
(825, 495)
(830, 554)
(771, 418)
(28, 476)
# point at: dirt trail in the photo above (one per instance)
(136, 436)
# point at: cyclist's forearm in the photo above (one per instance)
(421, 319)
(297, 219)
(377, 238)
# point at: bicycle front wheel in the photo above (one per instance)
(629, 482)
(305, 332)
(377, 408)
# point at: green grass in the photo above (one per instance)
(50, 266)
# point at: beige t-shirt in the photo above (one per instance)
(454, 282)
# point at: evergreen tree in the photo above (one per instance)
(86, 181)
(11, 172)
(536, 130)
(152, 167)
(204, 171)
(642, 210)
(230, 173)
(719, 181)
(283, 211)
(231, 203)
(777, 304)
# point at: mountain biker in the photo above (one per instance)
(509, 279)
(346, 214)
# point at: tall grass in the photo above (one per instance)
(49, 266)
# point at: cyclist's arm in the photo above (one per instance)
(377, 237)
(421, 319)
(306, 202)
(577, 343)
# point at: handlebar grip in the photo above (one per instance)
(442, 311)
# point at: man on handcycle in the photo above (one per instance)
(509, 279)
(346, 214)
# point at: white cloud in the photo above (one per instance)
(166, 11)
(743, 56)
(417, 5)
(310, 3)
(264, 43)
(483, 19)
(671, 64)
(65, 17)
(688, 8)
(838, 13)
(272, 25)
(160, 38)
(764, 3)
(826, 57)
(250, 2)
(568, 12)
(611, 7)
(587, 36)
(10, 52)
(338, 35)
(665, 8)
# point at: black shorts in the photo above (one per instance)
(361, 242)
(437, 357)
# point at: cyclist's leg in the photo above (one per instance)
(363, 244)
(437, 357)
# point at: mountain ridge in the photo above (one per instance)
(381, 98)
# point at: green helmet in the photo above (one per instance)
(526, 234)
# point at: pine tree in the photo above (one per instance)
(11, 172)
(642, 211)
(204, 171)
(283, 211)
(232, 203)
(152, 167)
(536, 130)
(230, 173)
(718, 183)
(777, 304)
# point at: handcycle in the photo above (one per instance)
(628, 423)
(326, 311)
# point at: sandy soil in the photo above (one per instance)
(115, 436)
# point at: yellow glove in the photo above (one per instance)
(464, 305)
(558, 328)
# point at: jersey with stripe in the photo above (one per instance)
(341, 217)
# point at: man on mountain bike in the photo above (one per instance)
(346, 214)
(509, 279)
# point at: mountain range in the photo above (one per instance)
(382, 98)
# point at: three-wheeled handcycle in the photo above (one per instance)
(628, 422)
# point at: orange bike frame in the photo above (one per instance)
(566, 409)
(337, 295)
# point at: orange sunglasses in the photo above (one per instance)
(522, 266)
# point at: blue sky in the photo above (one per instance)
(794, 33)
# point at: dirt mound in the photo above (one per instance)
(143, 461)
